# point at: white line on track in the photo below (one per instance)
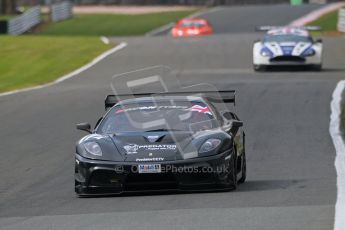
(336, 134)
(72, 74)
(105, 40)
(160, 29)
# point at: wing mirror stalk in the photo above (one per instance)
(84, 127)
(237, 124)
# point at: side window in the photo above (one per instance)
(216, 114)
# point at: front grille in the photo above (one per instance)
(288, 59)
(105, 178)
(150, 181)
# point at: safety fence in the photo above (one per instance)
(24, 22)
(61, 11)
(341, 20)
(172, 2)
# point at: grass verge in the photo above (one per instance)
(7, 17)
(35, 60)
(328, 23)
(32, 60)
(111, 24)
(342, 116)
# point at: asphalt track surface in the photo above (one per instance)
(291, 175)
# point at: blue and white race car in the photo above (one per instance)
(287, 46)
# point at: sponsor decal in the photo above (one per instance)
(133, 148)
(150, 159)
(158, 147)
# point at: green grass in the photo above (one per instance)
(328, 23)
(342, 116)
(6, 17)
(34, 60)
(112, 24)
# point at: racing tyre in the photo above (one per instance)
(259, 68)
(233, 172)
(243, 170)
(317, 67)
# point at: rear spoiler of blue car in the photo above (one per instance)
(222, 96)
(267, 28)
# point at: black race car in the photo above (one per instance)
(166, 141)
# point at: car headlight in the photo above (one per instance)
(209, 145)
(265, 53)
(309, 52)
(93, 148)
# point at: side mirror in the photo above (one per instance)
(319, 40)
(237, 124)
(84, 127)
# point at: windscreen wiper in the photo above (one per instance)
(163, 130)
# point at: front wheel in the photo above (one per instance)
(233, 172)
(243, 169)
(317, 67)
(259, 68)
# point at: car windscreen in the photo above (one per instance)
(192, 24)
(287, 38)
(158, 116)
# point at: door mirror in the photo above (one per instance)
(319, 40)
(237, 124)
(84, 126)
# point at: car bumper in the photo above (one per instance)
(287, 61)
(94, 177)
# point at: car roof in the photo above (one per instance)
(161, 99)
(288, 31)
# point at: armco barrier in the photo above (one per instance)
(24, 22)
(61, 11)
(341, 20)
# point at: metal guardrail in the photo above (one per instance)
(61, 11)
(317, 1)
(341, 20)
(25, 22)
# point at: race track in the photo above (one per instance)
(291, 175)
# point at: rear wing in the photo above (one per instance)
(223, 96)
(267, 28)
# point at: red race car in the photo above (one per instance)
(191, 27)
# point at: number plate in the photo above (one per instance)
(151, 168)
